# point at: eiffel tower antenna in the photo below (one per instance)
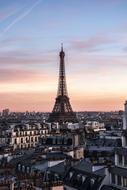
(62, 111)
(61, 46)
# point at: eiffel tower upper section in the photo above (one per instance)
(62, 87)
(62, 111)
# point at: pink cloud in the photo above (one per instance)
(21, 76)
(93, 43)
(96, 63)
(24, 58)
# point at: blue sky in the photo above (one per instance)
(94, 34)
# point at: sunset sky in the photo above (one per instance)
(94, 34)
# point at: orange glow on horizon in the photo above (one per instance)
(40, 102)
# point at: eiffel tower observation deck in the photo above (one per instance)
(62, 111)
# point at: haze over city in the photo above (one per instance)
(94, 34)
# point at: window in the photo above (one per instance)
(125, 140)
(125, 181)
(78, 176)
(65, 141)
(19, 167)
(120, 159)
(21, 140)
(27, 139)
(23, 168)
(113, 178)
(15, 141)
(119, 180)
(92, 181)
(35, 139)
(54, 140)
(27, 169)
(125, 160)
(22, 133)
(70, 175)
(31, 139)
(59, 141)
(83, 178)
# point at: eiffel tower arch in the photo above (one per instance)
(62, 111)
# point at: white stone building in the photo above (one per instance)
(21, 136)
(118, 173)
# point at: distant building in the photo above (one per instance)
(118, 173)
(94, 126)
(83, 176)
(68, 144)
(7, 182)
(5, 112)
(20, 136)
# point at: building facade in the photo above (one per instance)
(118, 173)
(20, 136)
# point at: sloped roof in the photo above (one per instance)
(59, 169)
(84, 166)
(108, 187)
(119, 171)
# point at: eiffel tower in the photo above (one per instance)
(62, 111)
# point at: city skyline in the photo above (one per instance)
(94, 35)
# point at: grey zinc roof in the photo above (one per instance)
(109, 187)
(100, 172)
(84, 166)
(59, 169)
(22, 158)
(119, 171)
(56, 155)
(122, 151)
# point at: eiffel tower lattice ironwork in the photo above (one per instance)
(62, 111)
